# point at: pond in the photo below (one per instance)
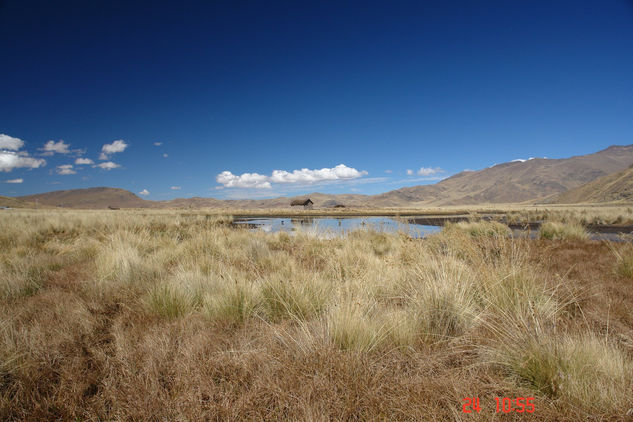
(336, 226)
(414, 227)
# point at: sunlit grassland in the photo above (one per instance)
(178, 315)
(599, 214)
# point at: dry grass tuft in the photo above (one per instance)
(553, 230)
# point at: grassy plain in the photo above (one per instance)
(174, 315)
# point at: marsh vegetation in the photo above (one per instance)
(179, 315)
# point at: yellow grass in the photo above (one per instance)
(177, 315)
(554, 230)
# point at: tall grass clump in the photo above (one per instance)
(300, 298)
(232, 303)
(480, 228)
(553, 230)
(443, 300)
(623, 261)
(170, 301)
(21, 277)
(581, 369)
(353, 326)
(181, 294)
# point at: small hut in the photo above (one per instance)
(305, 203)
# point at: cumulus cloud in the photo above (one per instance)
(307, 176)
(157, 144)
(246, 180)
(429, 171)
(144, 192)
(409, 172)
(165, 155)
(388, 171)
(10, 160)
(108, 149)
(14, 181)
(175, 188)
(304, 176)
(59, 147)
(10, 143)
(108, 165)
(65, 169)
(80, 161)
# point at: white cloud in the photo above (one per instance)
(11, 143)
(14, 181)
(304, 176)
(157, 144)
(144, 192)
(117, 146)
(175, 188)
(65, 169)
(246, 180)
(388, 171)
(52, 147)
(409, 172)
(10, 160)
(429, 171)
(165, 155)
(80, 161)
(108, 165)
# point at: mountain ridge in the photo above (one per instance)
(514, 181)
(616, 187)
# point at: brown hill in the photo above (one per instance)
(91, 198)
(514, 182)
(7, 201)
(616, 187)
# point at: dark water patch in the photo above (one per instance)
(336, 225)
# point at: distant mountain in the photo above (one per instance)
(617, 187)
(91, 198)
(532, 180)
(516, 181)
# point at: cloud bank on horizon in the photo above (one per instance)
(302, 177)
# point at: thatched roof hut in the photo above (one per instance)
(305, 203)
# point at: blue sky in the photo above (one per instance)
(232, 99)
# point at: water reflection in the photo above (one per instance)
(337, 226)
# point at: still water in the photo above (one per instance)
(327, 226)
(336, 226)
